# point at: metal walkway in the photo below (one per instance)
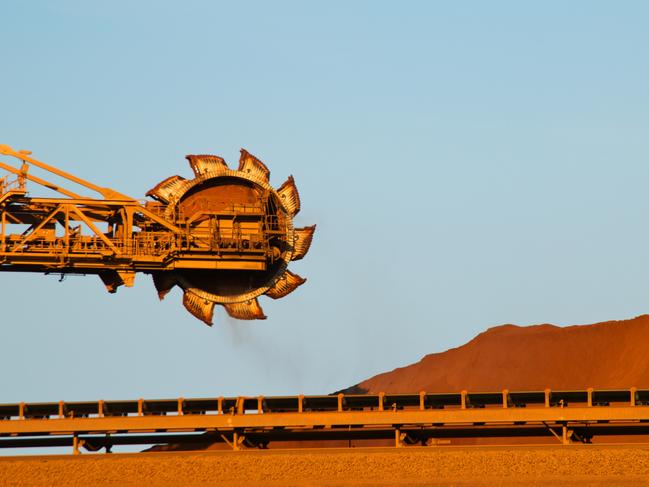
(424, 418)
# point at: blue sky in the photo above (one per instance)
(468, 164)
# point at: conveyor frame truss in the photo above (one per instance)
(406, 419)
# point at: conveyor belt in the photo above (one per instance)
(257, 421)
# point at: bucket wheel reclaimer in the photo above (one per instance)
(225, 236)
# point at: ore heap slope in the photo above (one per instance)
(224, 237)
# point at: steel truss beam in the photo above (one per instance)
(112, 236)
(257, 421)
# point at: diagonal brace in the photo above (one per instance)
(34, 231)
(97, 232)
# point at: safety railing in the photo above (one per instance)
(7, 185)
(329, 403)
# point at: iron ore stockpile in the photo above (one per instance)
(609, 355)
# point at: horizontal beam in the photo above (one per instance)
(418, 435)
(446, 417)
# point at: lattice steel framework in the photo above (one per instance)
(225, 236)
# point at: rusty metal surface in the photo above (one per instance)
(225, 236)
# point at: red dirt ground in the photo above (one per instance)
(583, 465)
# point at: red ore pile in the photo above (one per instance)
(609, 355)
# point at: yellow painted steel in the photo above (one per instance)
(331, 419)
(221, 221)
(409, 418)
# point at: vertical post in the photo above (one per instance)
(422, 400)
(565, 435)
(381, 400)
(548, 393)
(140, 407)
(632, 393)
(240, 405)
(300, 403)
(463, 402)
(181, 403)
(590, 397)
(340, 402)
(100, 408)
(235, 441)
(505, 398)
(21, 410)
(260, 405)
(75, 444)
(128, 230)
(61, 409)
(397, 437)
(67, 229)
(24, 169)
(2, 242)
(220, 405)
